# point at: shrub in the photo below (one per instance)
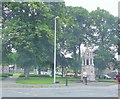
(44, 75)
(31, 75)
(35, 75)
(22, 75)
(6, 74)
(10, 74)
(3, 75)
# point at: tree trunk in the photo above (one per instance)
(39, 70)
(26, 72)
(52, 70)
(62, 71)
(75, 60)
(79, 57)
(79, 53)
(3, 69)
(75, 70)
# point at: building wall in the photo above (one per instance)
(5, 69)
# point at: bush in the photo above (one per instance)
(22, 75)
(3, 75)
(10, 74)
(31, 75)
(35, 75)
(44, 75)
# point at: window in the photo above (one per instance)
(87, 62)
(84, 61)
(91, 61)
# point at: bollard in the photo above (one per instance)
(66, 82)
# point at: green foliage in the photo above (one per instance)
(29, 29)
(102, 58)
(6, 74)
(104, 36)
(106, 80)
(10, 74)
(3, 75)
(35, 75)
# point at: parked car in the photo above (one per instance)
(72, 74)
(104, 76)
(107, 77)
(59, 74)
(69, 74)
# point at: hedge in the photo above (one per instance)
(6, 74)
(34, 75)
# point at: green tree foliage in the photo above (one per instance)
(75, 29)
(28, 27)
(104, 35)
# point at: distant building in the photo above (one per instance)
(10, 69)
(4, 69)
(88, 64)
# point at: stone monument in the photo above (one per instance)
(88, 64)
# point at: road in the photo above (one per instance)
(94, 89)
(80, 91)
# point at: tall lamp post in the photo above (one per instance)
(55, 51)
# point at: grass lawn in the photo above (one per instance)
(16, 74)
(106, 80)
(46, 80)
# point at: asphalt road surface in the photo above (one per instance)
(80, 91)
(9, 88)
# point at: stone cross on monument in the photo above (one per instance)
(88, 64)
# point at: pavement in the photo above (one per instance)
(93, 89)
(60, 92)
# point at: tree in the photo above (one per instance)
(74, 32)
(104, 36)
(23, 26)
(28, 28)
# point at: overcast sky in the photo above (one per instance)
(109, 5)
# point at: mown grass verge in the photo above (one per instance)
(16, 74)
(106, 80)
(45, 80)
